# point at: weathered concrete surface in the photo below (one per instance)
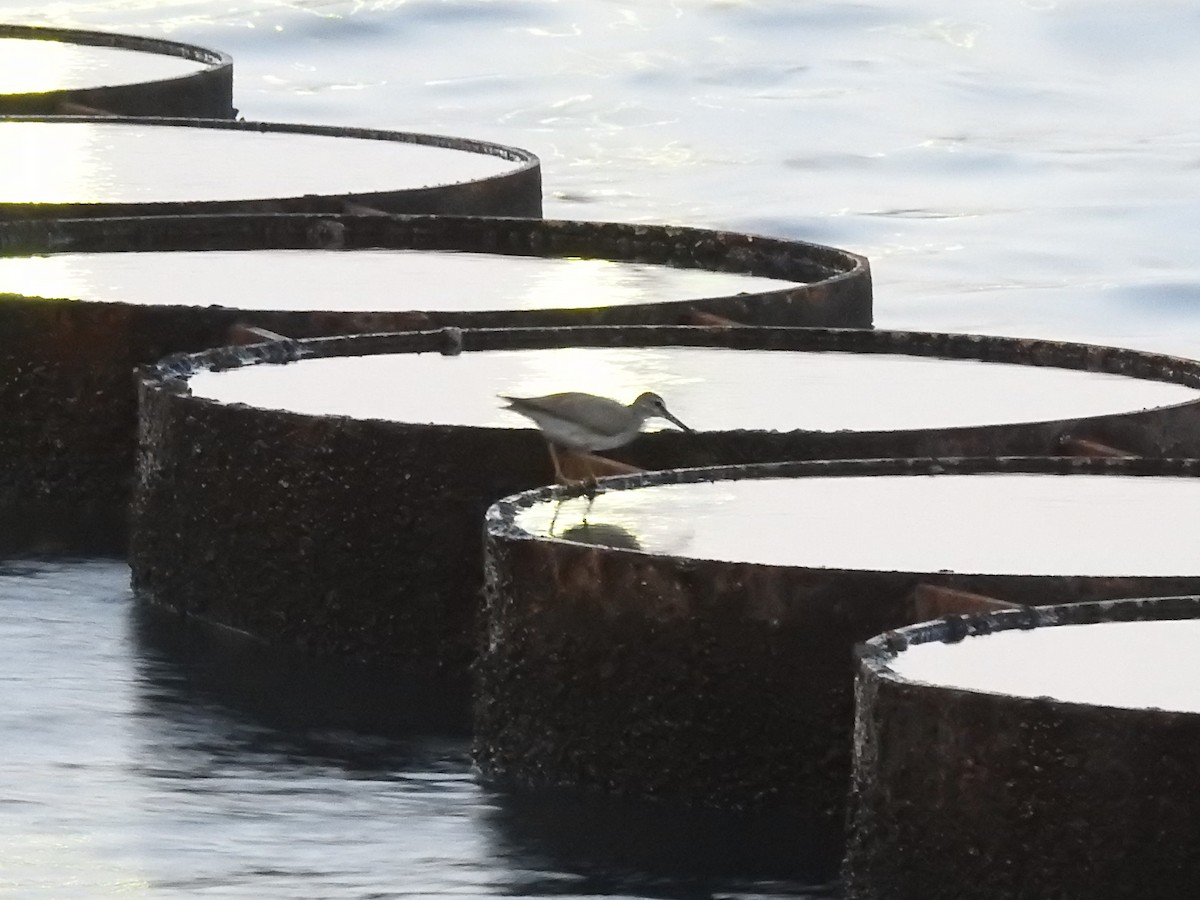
(66, 383)
(964, 795)
(516, 192)
(670, 679)
(713, 682)
(204, 94)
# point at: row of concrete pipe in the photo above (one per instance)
(597, 665)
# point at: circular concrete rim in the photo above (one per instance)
(452, 340)
(159, 46)
(214, 61)
(806, 264)
(500, 519)
(877, 655)
(526, 160)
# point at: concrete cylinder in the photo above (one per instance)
(1068, 769)
(202, 90)
(645, 643)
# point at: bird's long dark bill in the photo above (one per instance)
(671, 418)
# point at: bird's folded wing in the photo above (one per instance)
(598, 414)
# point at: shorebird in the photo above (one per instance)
(584, 422)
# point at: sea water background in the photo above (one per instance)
(1009, 167)
(1021, 168)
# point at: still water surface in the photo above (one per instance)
(710, 389)
(363, 280)
(144, 758)
(1020, 524)
(29, 66)
(87, 162)
(1135, 665)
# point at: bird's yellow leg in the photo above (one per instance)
(559, 477)
(589, 484)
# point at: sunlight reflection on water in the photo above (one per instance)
(1000, 172)
(37, 65)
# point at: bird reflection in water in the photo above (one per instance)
(603, 534)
